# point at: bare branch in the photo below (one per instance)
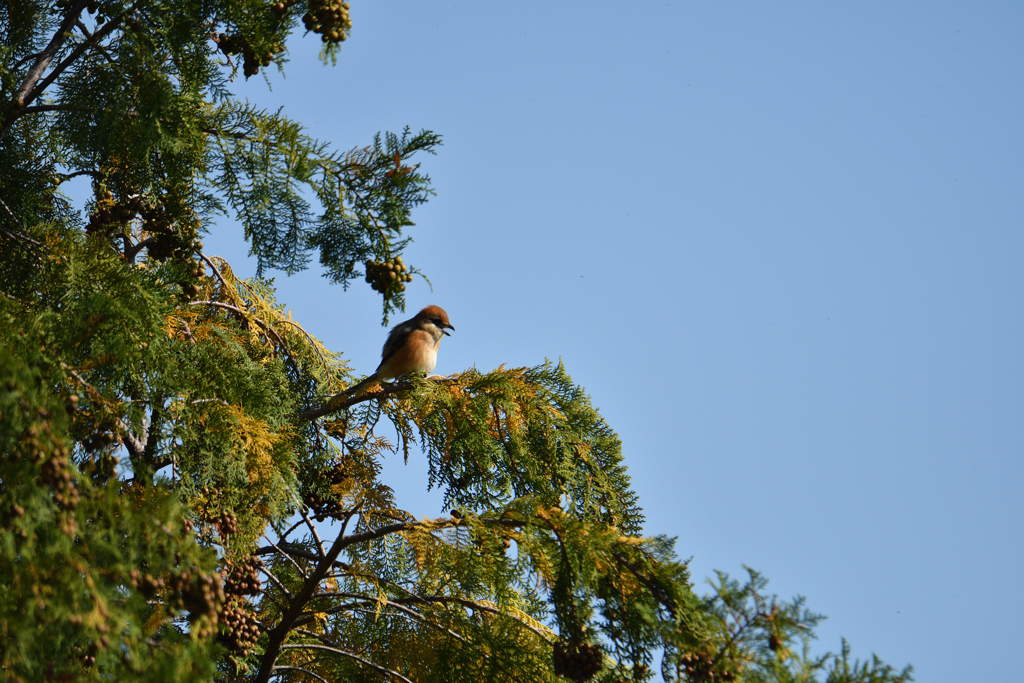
(293, 527)
(276, 582)
(656, 591)
(312, 341)
(439, 523)
(85, 32)
(17, 235)
(299, 668)
(131, 252)
(41, 108)
(265, 551)
(340, 402)
(413, 614)
(215, 269)
(25, 60)
(14, 233)
(345, 653)
(133, 443)
(88, 171)
(231, 307)
(312, 528)
(218, 304)
(44, 58)
(278, 635)
(14, 298)
(100, 33)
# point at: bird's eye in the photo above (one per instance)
(436, 321)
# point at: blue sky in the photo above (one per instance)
(780, 245)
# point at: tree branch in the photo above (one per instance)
(657, 591)
(24, 60)
(41, 108)
(276, 582)
(100, 33)
(316, 536)
(131, 252)
(440, 599)
(345, 653)
(14, 233)
(287, 556)
(267, 329)
(410, 613)
(136, 446)
(338, 402)
(14, 298)
(231, 307)
(305, 671)
(278, 635)
(44, 58)
(85, 32)
(75, 174)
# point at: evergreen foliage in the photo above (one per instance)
(187, 493)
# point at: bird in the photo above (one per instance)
(411, 346)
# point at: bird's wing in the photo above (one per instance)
(396, 339)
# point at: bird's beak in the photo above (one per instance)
(450, 327)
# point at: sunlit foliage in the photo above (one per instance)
(188, 492)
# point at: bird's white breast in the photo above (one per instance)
(424, 357)
(431, 360)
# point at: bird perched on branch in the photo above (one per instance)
(411, 346)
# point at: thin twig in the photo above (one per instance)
(312, 341)
(134, 444)
(14, 298)
(99, 47)
(218, 304)
(316, 536)
(211, 400)
(345, 653)
(14, 233)
(216, 271)
(100, 33)
(413, 614)
(231, 307)
(43, 58)
(305, 671)
(276, 582)
(288, 557)
(426, 599)
(268, 329)
(24, 60)
(17, 235)
(292, 528)
(188, 330)
(657, 591)
(40, 108)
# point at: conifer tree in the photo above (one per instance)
(188, 492)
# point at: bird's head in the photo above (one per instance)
(435, 315)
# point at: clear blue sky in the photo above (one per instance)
(779, 243)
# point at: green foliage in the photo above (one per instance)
(76, 543)
(188, 493)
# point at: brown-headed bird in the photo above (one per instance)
(411, 346)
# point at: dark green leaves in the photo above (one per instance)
(271, 173)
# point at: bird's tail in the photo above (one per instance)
(375, 377)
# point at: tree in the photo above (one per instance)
(188, 491)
